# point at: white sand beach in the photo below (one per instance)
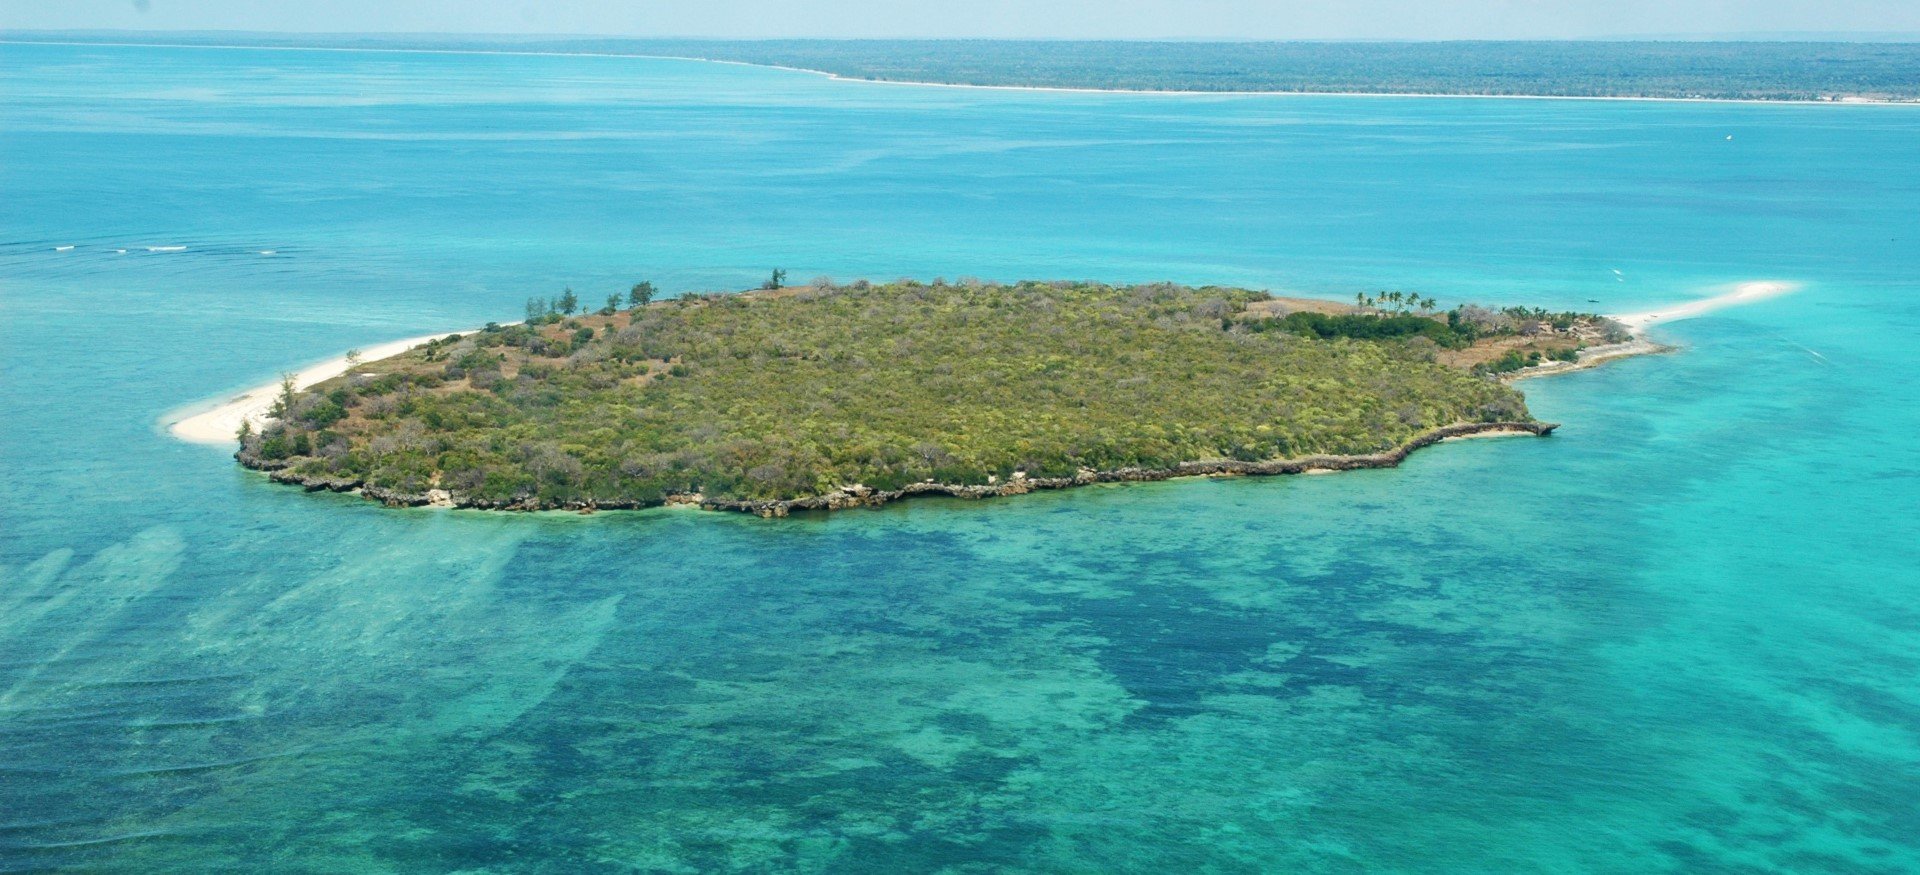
(221, 423)
(1639, 323)
(1743, 293)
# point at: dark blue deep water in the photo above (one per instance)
(1681, 635)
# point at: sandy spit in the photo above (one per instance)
(1640, 323)
(218, 424)
(1742, 293)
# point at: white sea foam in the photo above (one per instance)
(62, 248)
(268, 251)
(166, 249)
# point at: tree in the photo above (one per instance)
(779, 279)
(246, 430)
(1360, 300)
(283, 403)
(353, 358)
(612, 307)
(537, 309)
(568, 302)
(641, 294)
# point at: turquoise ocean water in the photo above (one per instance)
(1681, 635)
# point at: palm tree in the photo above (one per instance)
(1360, 300)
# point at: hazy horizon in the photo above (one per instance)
(1750, 36)
(1211, 20)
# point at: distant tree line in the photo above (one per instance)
(1460, 327)
(1716, 70)
(1747, 70)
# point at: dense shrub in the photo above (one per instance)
(789, 395)
(1367, 327)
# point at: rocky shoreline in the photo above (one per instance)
(1591, 357)
(861, 496)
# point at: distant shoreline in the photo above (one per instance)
(1062, 89)
(1169, 92)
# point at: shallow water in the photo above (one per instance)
(1681, 634)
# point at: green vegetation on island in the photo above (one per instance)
(1467, 328)
(792, 393)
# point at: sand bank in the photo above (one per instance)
(1639, 323)
(219, 423)
(1743, 293)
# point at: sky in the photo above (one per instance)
(1072, 19)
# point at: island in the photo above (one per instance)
(832, 396)
(1845, 71)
